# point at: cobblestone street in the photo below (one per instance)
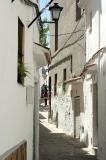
(55, 145)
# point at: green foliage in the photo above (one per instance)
(43, 34)
(22, 71)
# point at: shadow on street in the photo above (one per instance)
(58, 146)
(43, 108)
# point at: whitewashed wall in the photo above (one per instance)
(63, 103)
(16, 118)
(96, 39)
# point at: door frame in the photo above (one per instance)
(95, 114)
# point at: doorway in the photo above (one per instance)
(77, 118)
(95, 115)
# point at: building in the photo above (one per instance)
(20, 60)
(95, 74)
(65, 82)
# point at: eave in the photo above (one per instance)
(41, 55)
(91, 68)
(74, 80)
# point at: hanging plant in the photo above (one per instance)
(22, 71)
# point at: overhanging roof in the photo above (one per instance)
(76, 79)
(41, 55)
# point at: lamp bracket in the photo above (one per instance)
(48, 21)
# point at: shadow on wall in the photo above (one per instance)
(42, 108)
(54, 119)
(96, 8)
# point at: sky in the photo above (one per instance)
(46, 13)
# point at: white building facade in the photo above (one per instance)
(66, 66)
(17, 93)
(95, 74)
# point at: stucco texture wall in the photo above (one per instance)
(94, 41)
(71, 29)
(16, 118)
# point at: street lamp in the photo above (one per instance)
(55, 13)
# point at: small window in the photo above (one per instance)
(55, 85)
(78, 11)
(71, 65)
(21, 68)
(50, 84)
(64, 74)
(64, 79)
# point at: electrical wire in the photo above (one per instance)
(64, 34)
(79, 39)
(40, 12)
(64, 46)
(73, 30)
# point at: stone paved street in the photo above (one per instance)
(55, 145)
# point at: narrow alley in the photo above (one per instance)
(55, 145)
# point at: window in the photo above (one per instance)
(55, 85)
(64, 79)
(71, 65)
(49, 84)
(64, 74)
(21, 69)
(78, 11)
